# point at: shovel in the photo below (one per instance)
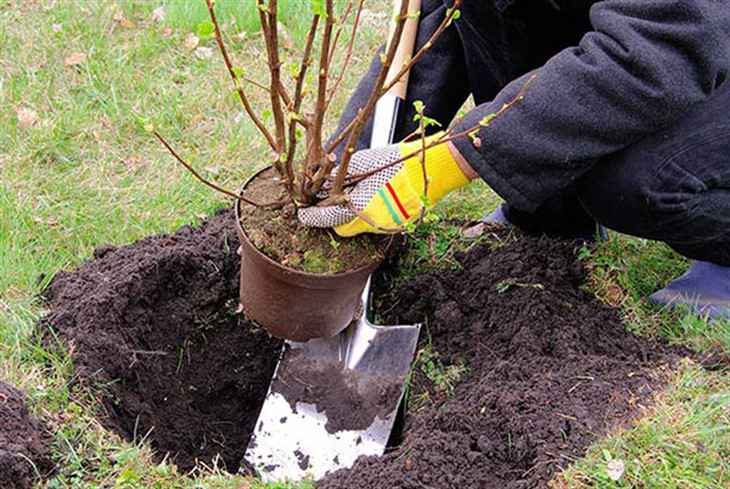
(332, 400)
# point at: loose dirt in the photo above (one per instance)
(280, 236)
(152, 327)
(550, 370)
(24, 442)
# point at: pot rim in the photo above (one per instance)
(242, 233)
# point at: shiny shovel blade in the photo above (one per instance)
(332, 400)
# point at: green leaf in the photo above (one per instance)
(318, 7)
(425, 201)
(487, 120)
(205, 30)
(428, 122)
(452, 15)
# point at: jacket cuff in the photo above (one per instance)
(488, 166)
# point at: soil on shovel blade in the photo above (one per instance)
(153, 327)
(351, 400)
(550, 370)
(24, 442)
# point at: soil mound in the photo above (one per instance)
(153, 326)
(24, 442)
(550, 370)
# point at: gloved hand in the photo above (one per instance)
(393, 197)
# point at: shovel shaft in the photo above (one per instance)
(407, 44)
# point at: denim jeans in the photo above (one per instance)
(673, 186)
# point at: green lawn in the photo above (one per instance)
(80, 80)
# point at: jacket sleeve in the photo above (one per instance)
(645, 64)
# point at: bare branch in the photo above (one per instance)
(232, 72)
(269, 27)
(448, 136)
(210, 184)
(446, 22)
(348, 57)
(297, 105)
(315, 150)
(365, 113)
(341, 22)
(422, 157)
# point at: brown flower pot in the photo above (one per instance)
(295, 305)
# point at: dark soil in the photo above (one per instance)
(550, 370)
(24, 442)
(152, 327)
(350, 399)
(280, 236)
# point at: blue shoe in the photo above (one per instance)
(705, 288)
(497, 216)
(500, 216)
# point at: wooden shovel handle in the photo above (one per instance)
(405, 48)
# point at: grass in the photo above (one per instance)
(85, 172)
(243, 16)
(682, 442)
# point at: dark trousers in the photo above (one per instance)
(673, 186)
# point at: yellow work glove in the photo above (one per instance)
(393, 197)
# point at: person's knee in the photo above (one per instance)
(619, 198)
(654, 190)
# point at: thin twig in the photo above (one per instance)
(448, 136)
(448, 19)
(232, 72)
(369, 221)
(297, 106)
(422, 156)
(341, 22)
(348, 56)
(315, 152)
(365, 112)
(210, 184)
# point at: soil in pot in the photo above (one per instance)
(279, 235)
(546, 370)
(152, 326)
(24, 442)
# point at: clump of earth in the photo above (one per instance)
(25, 453)
(153, 327)
(546, 369)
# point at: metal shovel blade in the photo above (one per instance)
(332, 400)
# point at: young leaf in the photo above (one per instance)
(205, 30)
(487, 120)
(318, 7)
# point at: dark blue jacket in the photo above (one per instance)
(644, 64)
